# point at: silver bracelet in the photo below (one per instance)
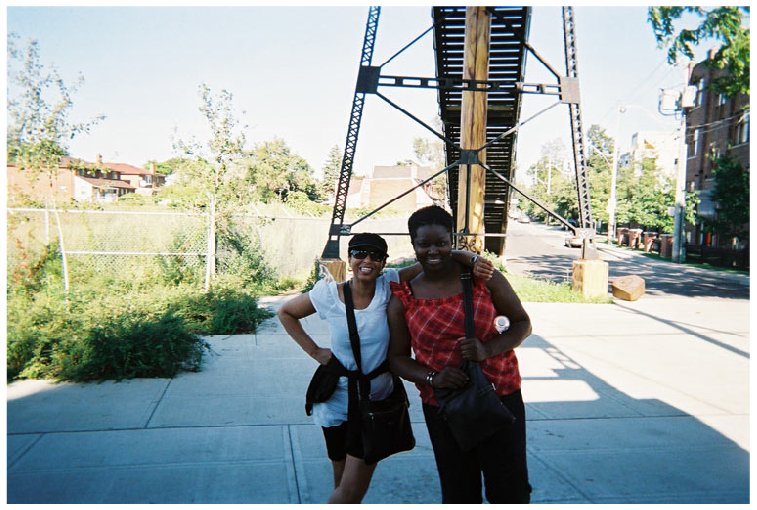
(430, 377)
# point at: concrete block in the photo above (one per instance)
(590, 277)
(628, 288)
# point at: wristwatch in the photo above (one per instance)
(473, 260)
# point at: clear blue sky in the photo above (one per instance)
(292, 71)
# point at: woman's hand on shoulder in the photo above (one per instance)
(483, 269)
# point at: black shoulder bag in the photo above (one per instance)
(384, 424)
(474, 412)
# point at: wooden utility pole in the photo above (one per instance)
(473, 129)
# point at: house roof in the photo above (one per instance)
(121, 168)
(68, 162)
(125, 168)
(106, 183)
(401, 172)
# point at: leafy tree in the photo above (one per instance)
(431, 153)
(212, 162)
(272, 170)
(644, 196)
(599, 165)
(210, 165)
(39, 105)
(169, 166)
(731, 195)
(724, 24)
(331, 171)
(553, 187)
(653, 194)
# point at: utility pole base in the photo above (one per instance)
(590, 277)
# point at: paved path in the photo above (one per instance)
(642, 402)
(539, 250)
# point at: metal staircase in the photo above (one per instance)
(509, 32)
(504, 89)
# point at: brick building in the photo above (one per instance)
(716, 125)
(82, 181)
(388, 182)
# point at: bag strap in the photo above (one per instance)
(470, 328)
(355, 341)
(352, 325)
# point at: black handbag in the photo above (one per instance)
(474, 412)
(384, 424)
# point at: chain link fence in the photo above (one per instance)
(132, 244)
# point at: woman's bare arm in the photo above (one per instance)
(290, 314)
(482, 268)
(507, 303)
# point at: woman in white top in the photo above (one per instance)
(370, 293)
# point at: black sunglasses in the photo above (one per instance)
(376, 256)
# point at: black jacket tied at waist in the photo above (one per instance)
(326, 377)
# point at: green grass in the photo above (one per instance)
(532, 289)
(543, 291)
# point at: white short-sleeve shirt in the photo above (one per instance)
(373, 329)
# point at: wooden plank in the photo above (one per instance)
(473, 127)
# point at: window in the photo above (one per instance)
(693, 143)
(700, 92)
(742, 129)
(722, 104)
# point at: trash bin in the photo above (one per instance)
(666, 245)
(622, 236)
(649, 238)
(634, 237)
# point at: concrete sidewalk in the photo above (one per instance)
(635, 402)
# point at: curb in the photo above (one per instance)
(742, 279)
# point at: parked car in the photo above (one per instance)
(523, 218)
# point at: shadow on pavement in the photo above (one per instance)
(592, 443)
(243, 438)
(660, 278)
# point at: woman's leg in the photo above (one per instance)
(354, 482)
(338, 467)
(336, 439)
(459, 472)
(503, 458)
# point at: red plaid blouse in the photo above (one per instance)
(435, 326)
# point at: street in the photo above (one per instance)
(539, 250)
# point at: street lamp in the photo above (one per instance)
(676, 102)
(612, 201)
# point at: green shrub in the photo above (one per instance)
(127, 346)
(242, 257)
(313, 277)
(113, 328)
(300, 202)
(220, 311)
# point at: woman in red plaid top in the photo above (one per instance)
(427, 315)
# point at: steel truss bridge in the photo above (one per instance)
(504, 87)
